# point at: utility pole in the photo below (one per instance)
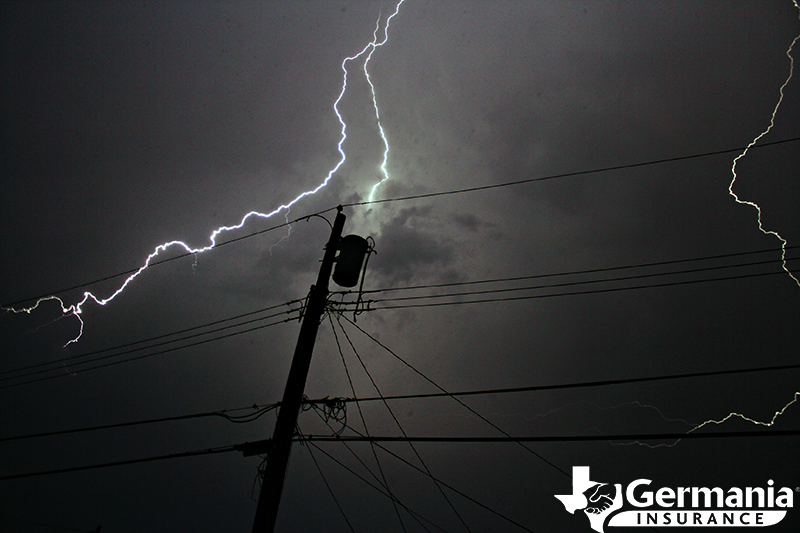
(278, 455)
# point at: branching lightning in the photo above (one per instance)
(763, 230)
(747, 419)
(375, 45)
(76, 309)
(722, 420)
(753, 143)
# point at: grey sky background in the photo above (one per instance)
(126, 125)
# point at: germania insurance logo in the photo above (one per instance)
(674, 507)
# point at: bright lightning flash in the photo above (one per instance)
(76, 309)
(375, 45)
(747, 419)
(722, 420)
(753, 143)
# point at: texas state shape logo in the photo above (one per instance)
(597, 500)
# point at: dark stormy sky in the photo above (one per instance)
(129, 124)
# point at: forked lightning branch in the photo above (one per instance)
(76, 309)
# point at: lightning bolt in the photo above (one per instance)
(375, 45)
(727, 417)
(76, 309)
(753, 143)
(288, 233)
(747, 419)
(762, 229)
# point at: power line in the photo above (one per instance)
(473, 282)
(418, 469)
(401, 306)
(560, 438)
(595, 271)
(465, 406)
(384, 482)
(412, 197)
(48, 526)
(568, 174)
(400, 427)
(573, 283)
(134, 350)
(210, 451)
(259, 411)
(585, 384)
(162, 352)
(158, 337)
(162, 261)
(451, 440)
(388, 495)
(479, 392)
(330, 490)
(556, 295)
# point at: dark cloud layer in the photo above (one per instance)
(125, 125)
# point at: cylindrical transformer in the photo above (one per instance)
(352, 250)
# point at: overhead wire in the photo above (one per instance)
(240, 419)
(436, 296)
(478, 392)
(570, 283)
(568, 174)
(158, 337)
(765, 433)
(310, 439)
(368, 308)
(455, 398)
(209, 451)
(330, 490)
(6, 377)
(397, 422)
(460, 493)
(406, 198)
(575, 385)
(73, 363)
(385, 482)
(551, 295)
(596, 271)
(162, 261)
(395, 500)
(356, 474)
(137, 358)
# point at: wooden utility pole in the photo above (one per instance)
(278, 456)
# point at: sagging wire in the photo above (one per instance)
(252, 417)
(261, 409)
(261, 471)
(354, 454)
(331, 409)
(303, 307)
(319, 215)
